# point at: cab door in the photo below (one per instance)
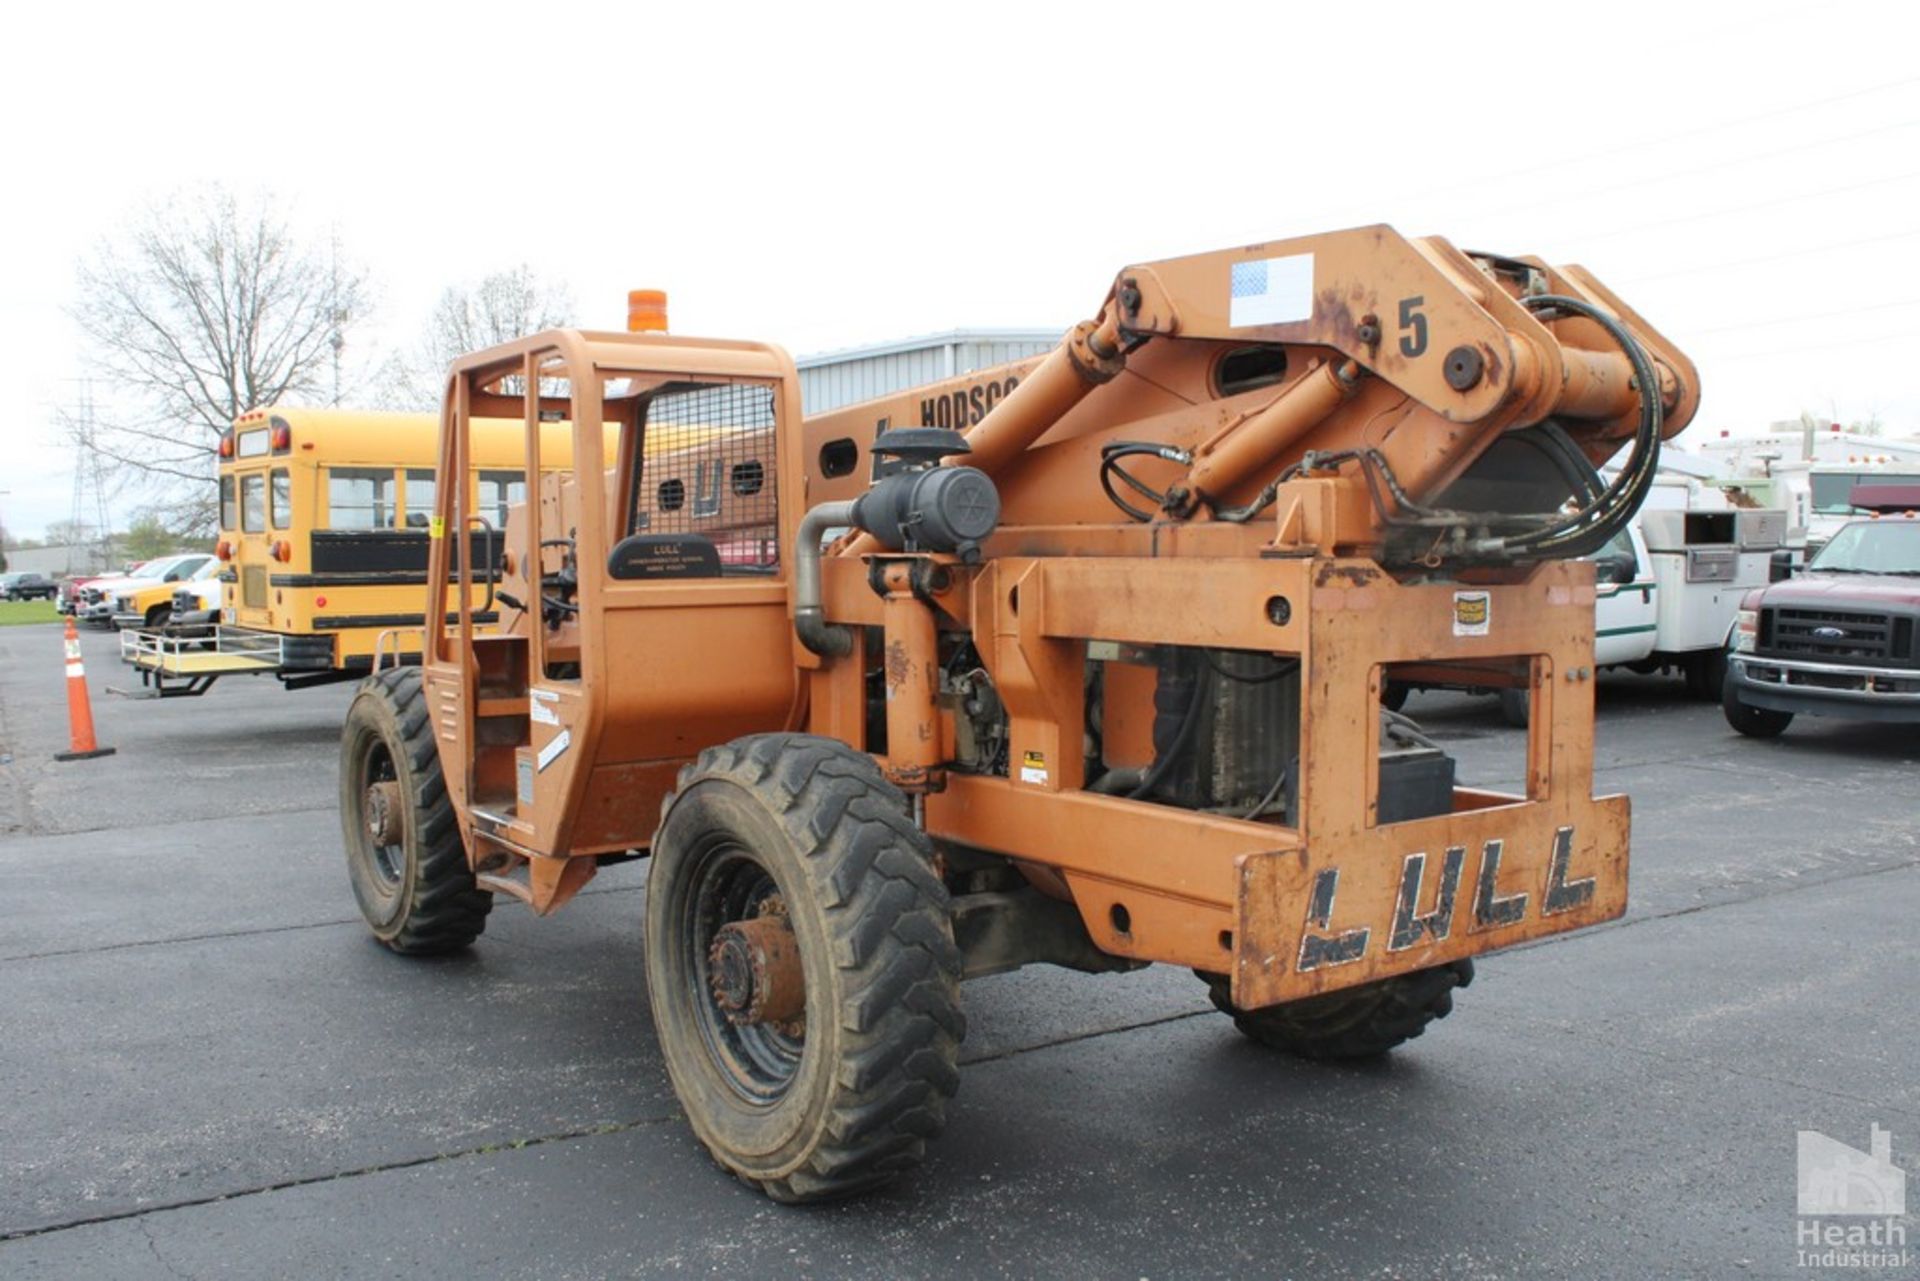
(1625, 603)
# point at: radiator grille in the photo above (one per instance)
(1824, 633)
(708, 469)
(253, 587)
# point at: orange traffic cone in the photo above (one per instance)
(79, 710)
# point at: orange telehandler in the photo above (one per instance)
(1076, 661)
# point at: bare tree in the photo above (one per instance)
(500, 307)
(206, 307)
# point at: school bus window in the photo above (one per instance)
(280, 498)
(419, 498)
(499, 490)
(359, 498)
(253, 504)
(253, 444)
(229, 509)
(706, 501)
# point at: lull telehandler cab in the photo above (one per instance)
(1097, 683)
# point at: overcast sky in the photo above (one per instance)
(819, 176)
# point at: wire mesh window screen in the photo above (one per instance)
(708, 470)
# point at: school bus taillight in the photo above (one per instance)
(226, 444)
(223, 550)
(282, 438)
(283, 550)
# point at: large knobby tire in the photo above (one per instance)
(1353, 1023)
(802, 835)
(404, 853)
(1754, 722)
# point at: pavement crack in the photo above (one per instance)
(383, 1167)
(1691, 909)
(1575, 1031)
(46, 832)
(211, 936)
(1070, 1039)
(153, 1248)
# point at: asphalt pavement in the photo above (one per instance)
(207, 1068)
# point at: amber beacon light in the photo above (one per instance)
(646, 311)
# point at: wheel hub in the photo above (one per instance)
(383, 810)
(755, 971)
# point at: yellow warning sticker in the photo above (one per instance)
(1472, 613)
(437, 527)
(1033, 767)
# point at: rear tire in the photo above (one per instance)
(405, 856)
(1354, 1023)
(1513, 707)
(843, 1095)
(1754, 722)
(159, 617)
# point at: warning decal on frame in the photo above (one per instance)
(1472, 613)
(1033, 767)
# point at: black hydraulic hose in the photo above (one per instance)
(1177, 749)
(1110, 456)
(1590, 528)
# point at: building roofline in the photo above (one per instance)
(950, 337)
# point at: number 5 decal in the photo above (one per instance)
(1413, 326)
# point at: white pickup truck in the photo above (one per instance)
(1667, 589)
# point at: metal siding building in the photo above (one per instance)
(832, 379)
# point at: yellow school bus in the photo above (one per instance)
(323, 535)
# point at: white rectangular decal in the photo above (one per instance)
(542, 714)
(553, 750)
(1271, 291)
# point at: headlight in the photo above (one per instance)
(1746, 629)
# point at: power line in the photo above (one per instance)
(1875, 341)
(1693, 171)
(1802, 252)
(1750, 206)
(1811, 315)
(1642, 143)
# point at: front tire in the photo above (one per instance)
(405, 857)
(1354, 1023)
(801, 967)
(1513, 707)
(1754, 722)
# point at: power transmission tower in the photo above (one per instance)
(89, 486)
(338, 339)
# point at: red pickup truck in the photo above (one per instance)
(1838, 639)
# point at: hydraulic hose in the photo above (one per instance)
(1590, 528)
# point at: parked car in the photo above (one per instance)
(146, 600)
(196, 604)
(97, 598)
(1840, 639)
(27, 586)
